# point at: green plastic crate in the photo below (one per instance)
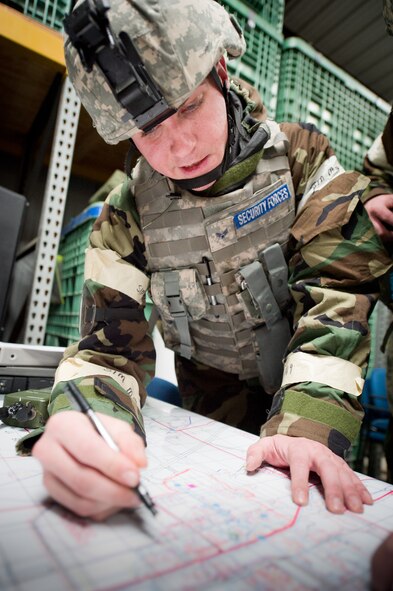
(260, 65)
(314, 90)
(62, 326)
(48, 12)
(272, 11)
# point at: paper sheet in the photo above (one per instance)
(217, 528)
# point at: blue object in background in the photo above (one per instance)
(375, 403)
(164, 390)
(375, 423)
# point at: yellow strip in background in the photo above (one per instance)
(31, 34)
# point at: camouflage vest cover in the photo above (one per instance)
(204, 254)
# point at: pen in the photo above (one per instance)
(77, 397)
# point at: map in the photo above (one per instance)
(217, 527)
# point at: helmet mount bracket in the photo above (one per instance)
(90, 33)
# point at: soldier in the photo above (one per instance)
(222, 213)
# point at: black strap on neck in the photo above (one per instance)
(199, 181)
(131, 158)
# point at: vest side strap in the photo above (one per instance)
(178, 311)
(272, 343)
(277, 269)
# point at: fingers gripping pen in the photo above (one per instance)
(82, 405)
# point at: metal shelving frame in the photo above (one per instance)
(52, 213)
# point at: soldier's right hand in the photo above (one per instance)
(80, 470)
(380, 211)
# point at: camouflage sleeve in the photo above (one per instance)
(115, 358)
(335, 262)
(378, 163)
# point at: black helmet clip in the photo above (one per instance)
(89, 31)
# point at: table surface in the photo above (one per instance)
(217, 528)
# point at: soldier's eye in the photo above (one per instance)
(193, 106)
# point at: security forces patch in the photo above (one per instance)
(257, 210)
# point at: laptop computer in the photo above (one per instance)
(24, 367)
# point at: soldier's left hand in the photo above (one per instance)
(342, 488)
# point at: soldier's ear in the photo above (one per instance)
(222, 71)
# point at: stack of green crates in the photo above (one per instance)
(48, 12)
(62, 327)
(260, 65)
(271, 11)
(314, 90)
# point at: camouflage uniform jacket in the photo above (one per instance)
(335, 260)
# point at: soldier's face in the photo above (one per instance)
(191, 142)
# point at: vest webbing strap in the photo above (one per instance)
(179, 246)
(203, 270)
(228, 278)
(223, 352)
(232, 300)
(215, 326)
(213, 290)
(239, 320)
(218, 309)
(178, 311)
(224, 342)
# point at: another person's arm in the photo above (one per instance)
(378, 166)
(337, 259)
(382, 566)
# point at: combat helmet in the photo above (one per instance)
(134, 62)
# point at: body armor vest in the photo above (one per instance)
(217, 264)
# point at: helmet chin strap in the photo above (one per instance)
(218, 171)
(200, 181)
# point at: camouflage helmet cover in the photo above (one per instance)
(179, 42)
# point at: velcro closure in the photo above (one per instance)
(299, 405)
